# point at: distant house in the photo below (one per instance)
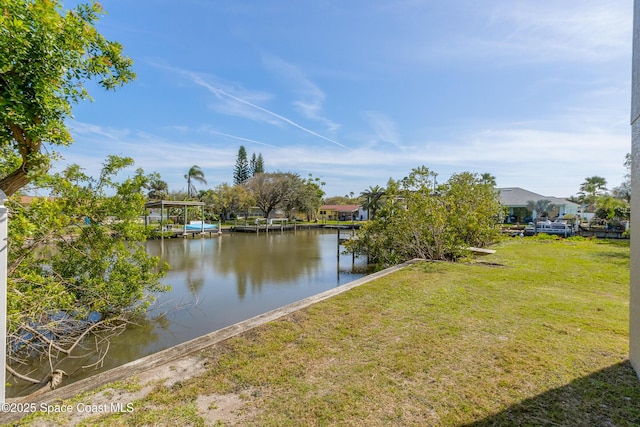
(342, 213)
(516, 200)
(27, 200)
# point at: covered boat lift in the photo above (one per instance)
(184, 204)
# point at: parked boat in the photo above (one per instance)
(558, 228)
(199, 225)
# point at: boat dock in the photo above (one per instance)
(266, 228)
(179, 232)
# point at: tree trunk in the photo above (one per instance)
(29, 150)
(14, 181)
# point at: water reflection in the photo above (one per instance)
(222, 280)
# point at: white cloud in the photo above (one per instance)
(80, 129)
(240, 138)
(535, 156)
(312, 98)
(237, 102)
(222, 94)
(558, 31)
(384, 127)
(520, 31)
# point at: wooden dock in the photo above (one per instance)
(602, 233)
(353, 226)
(273, 228)
(258, 229)
(179, 232)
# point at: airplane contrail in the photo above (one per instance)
(242, 139)
(220, 92)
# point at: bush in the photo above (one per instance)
(420, 220)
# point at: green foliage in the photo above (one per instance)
(310, 198)
(341, 200)
(418, 219)
(276, 189)
(241, 171)
(256, 165)
(590, 189)
(623, 191)
(46, 56)
(545, 236)
(194, 174)
(610, 208)
(372, 198)
(80, 250)
(226, 199)
(158, 189)
(541, 208)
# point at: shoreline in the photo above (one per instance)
(184, 350)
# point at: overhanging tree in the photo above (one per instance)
(47, 55)
(76, 261)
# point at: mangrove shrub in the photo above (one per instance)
(418, 218)
(76, 257)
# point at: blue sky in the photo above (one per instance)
(536, 93)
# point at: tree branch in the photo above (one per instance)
(22, 377)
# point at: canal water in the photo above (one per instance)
(217, 282)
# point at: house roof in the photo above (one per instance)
(163, 203)
(27, 200)
(340, 208)
(516, 196)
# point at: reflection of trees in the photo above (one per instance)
(194, 285)
(276, 258)
(252, 259)
(187, 256)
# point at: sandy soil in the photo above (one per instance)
(213, 407)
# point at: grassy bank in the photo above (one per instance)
(535, 334)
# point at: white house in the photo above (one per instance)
(516, 199)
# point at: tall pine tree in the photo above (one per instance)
(259, 165)
(256, 165)
(241, 172)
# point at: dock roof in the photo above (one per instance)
(163, 203)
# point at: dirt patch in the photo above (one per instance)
(178, 370)
(227, 408)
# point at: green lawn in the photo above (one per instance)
(536, 334)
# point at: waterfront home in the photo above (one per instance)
(342, 213)
(517, 199)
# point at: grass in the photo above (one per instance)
(536, 334)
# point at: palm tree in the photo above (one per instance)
(194, 174)
(591, 188)
(158, 189)
(487, 178)
(540, 208)
(372, 200)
